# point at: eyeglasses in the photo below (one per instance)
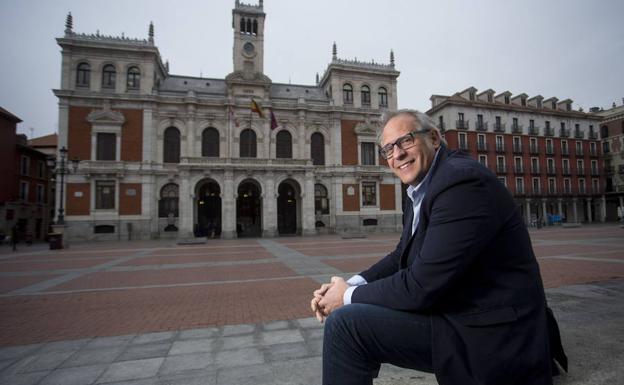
(404, 142)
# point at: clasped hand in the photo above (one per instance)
(328, 298)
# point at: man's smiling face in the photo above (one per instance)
(410, 164)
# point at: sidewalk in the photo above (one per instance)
(235, 311)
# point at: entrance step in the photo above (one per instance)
(352, 235)
(191, 241)
(571, 224)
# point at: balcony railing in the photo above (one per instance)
(462, 124)
(501, 169)
(481, 126)
(499, 127)
(533, 130)
(564, 133)
(518, 170)
(517, 129)
(519, 191)
(593, 135)
(535, 171)
(580, 171)
(482, 146)
(549, 132)
(517, 148)
(565, 171)
(582, 190)
(550, 150)
(552, 192)
(593, 153)
(463, 146)
(551, 171)
(500, 147)
(536, 190)
(565, 151)
(594, 172)
(533, 150)
(579, 152)
(578, 134)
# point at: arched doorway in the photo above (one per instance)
(287, 207)
(208, 223)
(249, 210)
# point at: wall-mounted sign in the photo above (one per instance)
(131, 192)
(78, 194)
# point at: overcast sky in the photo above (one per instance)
(568, 49)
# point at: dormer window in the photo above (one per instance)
(471, 95)
(83, 75)
(506, 99)
(523, 102)
(489, 98)
(554, 105)
(568, 106)
(539, 103)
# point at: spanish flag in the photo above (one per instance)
(255, 107)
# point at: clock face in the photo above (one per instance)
(249, 48)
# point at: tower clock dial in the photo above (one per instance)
(249, 49)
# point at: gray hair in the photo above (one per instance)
(422, 121)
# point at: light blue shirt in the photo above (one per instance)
(416, 194)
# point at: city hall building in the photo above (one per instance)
(164, 155)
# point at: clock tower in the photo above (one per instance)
(248, 25)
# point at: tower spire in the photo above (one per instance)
(334, 52)
(151, 32)
(69, 23)
(261, 4)
(317, 78)
(392, 58)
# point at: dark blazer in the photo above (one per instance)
(470, 265)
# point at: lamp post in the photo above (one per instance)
(62, 170)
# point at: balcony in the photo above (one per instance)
(463, 146)
(565, 171)
(534, 131)
(552, 192)
(578, 134)
(551, 171)
(519, 191)
(501, 169)
(580, 171)
(482, 147)
(499, 127)
(564, 133)
(536, 190)
(481, 126)
(549, 132)
(593, 153)
(565, 151)
(500, 147)
(550, 150)
(533, 150)
(518, 170)
(535, 171)
(594, 172)
(582, 190)
(442, 127)
(592, 135)
(579, 152)
(462, 124)
(517, 149)
(517, 129)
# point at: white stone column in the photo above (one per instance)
(190, 136)
(228, 207)
(603, 209)
(574, 210)
(185, 207)
(309, 227)
(301, 135)
(527, 208)
(559, 207)
(147, 147)
(543, 216)
(269, 206)
(588, 202)
(149, 203)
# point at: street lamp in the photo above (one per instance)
(62, 170)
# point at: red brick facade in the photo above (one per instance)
(349, 143)
(350, 202)
(386, 197)
(129, 199)
(78, 205)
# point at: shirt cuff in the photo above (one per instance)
(346, 297)
(356, 280)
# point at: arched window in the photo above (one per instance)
(366, 99)
(255, 27)
(283, 145)
(248, 143)
(248, 28)
(171, 153)
(347, 94)
(83, 75)
(383, 97)
(134, 78)
(317, 149)
(210, 142)
(168, 203)
(321, 201)
(242, 25)
(604, 132)
(108, 76)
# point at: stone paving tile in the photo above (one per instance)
(63, 346)
(8, 283)
(231, 330)
(185, 362)
(247, 375)
(239, 357)
(237, 342)
(137, 352)
(205, 377)
(150, 338)
(84, 375)
(285, 352)
(40, 362)
(277, 325)
(280, 337)
(305, 371)
(6, 363)
(18, 351)
(23, 379)
(192, 346)
(131, 370)
(198, 333)
(309, 323)
(99, 356)
(107, 342)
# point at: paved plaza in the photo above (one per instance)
(237, 311)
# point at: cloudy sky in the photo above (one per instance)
(568, 49)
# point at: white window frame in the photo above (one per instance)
(519, 185)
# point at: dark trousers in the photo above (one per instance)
(359, 337)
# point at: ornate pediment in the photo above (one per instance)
(366, 128)
(106, 116)
(247, 77)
